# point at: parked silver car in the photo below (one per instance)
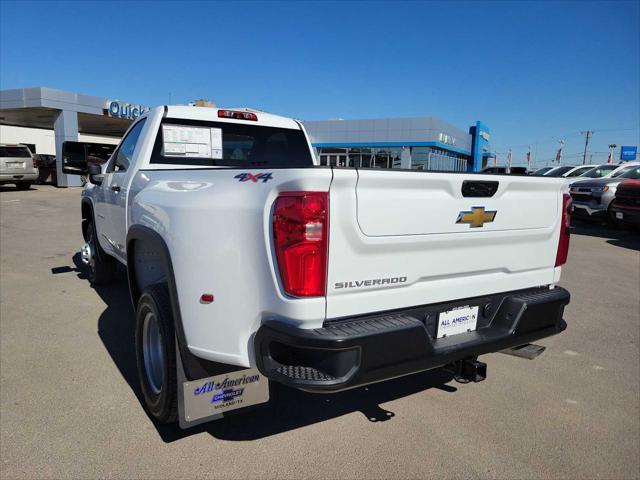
(17, 166)
(592, 196)
(578, 171)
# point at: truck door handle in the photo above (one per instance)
(115, 188)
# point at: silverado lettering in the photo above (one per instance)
(370, 283)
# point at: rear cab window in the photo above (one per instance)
(212, 144)
(15, 152)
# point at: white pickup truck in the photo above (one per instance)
(248, 262)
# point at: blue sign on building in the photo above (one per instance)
(480, 146)
(628, 152)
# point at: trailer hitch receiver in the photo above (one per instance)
(468, 370)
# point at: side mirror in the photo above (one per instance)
(95, 173)
(74, 158)
(77, 157)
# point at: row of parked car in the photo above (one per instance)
(609, 192)
(22, 168)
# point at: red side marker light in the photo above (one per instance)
(206, 298)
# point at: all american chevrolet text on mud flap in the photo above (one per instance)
(249, 263)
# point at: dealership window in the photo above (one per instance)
(361, 157)
(422, 158)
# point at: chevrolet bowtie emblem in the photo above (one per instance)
(476, 217)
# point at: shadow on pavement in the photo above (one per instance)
(290, 409)
(616, 236)
(12, 188)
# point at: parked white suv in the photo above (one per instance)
(17, 166)
(248, 262)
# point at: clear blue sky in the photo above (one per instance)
(529, 70)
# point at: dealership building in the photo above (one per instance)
(43, 118)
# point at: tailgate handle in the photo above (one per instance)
(479, 188)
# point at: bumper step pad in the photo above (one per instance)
(298, 372)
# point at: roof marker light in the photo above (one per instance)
(237, 115)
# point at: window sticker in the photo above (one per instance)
(216, 143)
(194, 142)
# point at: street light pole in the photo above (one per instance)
(612, 147)
(587, 134)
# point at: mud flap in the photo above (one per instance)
(210, 398)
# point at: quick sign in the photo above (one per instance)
(117, 109)
(628, 153)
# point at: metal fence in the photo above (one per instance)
(437, 162)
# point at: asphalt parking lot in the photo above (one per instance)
(70, 406)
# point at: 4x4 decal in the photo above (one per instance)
(263, 177)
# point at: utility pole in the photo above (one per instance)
(559, 154)
(587, 134)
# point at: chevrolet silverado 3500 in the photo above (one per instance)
(247, 262)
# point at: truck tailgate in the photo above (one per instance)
(419, 240)
(407, 203)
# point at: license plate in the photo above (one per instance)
(222, 393)
(15, 164)
(619, 215)
(458, 320)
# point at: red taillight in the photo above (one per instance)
(563, 243)
(300, 224)
(34, 162)
(237, 115)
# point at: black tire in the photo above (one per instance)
(612, 221)
(23, 185)
(161, 400)
(103, 269)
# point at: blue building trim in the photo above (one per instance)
(479, 146)
(394, 144)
